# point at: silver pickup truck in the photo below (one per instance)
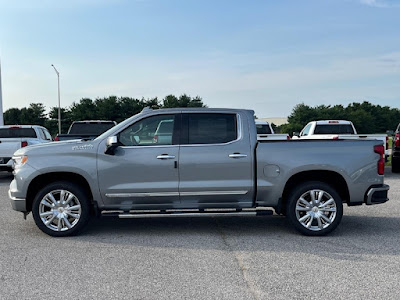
(212, 164)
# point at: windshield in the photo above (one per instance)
(118, 127)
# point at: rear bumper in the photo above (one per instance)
(377, 194)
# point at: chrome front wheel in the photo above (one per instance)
(61, 208)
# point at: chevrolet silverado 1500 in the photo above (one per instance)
(208, 162)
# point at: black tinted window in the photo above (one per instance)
(263, 129)
(334, 129)
(211, 128)
(17, 133)
(90, 128)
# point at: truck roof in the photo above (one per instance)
(333, 122)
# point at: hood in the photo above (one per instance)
(57, 147)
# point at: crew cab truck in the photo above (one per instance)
(13, 137)
(338, 129)
(212, 164)
(88, 130)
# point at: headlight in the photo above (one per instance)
(19, 161)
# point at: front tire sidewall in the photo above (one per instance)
(300, 190)
(78, 192)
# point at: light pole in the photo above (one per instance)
(59, 106)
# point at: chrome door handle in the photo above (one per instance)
(237, 155)
(165, 156)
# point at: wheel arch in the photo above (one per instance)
(329, 177)
(44, 179)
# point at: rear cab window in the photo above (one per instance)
(17, 132)
(333, 129)
(94, 128)
(263, 129)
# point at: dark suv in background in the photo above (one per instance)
(396, 151)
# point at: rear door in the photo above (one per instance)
(215, 162)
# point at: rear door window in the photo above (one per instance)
(210, 128)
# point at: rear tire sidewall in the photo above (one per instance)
(78, 192)
(300, 190)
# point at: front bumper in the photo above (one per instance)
(377, 194)
(18, 204)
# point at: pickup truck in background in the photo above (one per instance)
(396, 151)
(266, 133)
(338, 129)
(87, 130)
(13, 137)
(208, 163)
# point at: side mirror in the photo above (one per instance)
(111, 145)
(390, 132)
(295, 133)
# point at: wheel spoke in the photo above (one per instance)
(326, 219)
(327, 203)
(75, 207)
(46, 214)
(59, 225)
(304, 201)
(46, 203)
(303, 218)
(67, 223)
(70, 197)
(62, 196)
(312, 194)
(50, 195)
(320, 223)
(75, 216)
(320, 195)
(328, 209)
(310, 221)
(48, 222)
(301, 208)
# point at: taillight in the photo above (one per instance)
(397, 140)
(56, 138)
(381, 162)
(288, 137)
(24, 144)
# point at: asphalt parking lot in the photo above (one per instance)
(204, 258)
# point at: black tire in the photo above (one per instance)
(314, 219)
(395, 166)
(65, 217)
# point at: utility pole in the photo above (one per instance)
(59, 105)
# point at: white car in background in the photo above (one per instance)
(266, 133)
(14, 137)
(337, 130)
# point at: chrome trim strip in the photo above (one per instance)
(205, 214)
(213, 193)
(14, 198)
(129, 195)
(171, 194)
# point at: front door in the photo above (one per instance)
(143, 172)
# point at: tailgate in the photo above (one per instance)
(8, 146)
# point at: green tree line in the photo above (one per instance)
(366, 117)
(107, 108)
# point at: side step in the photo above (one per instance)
(191, 213)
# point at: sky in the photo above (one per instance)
(263, 55)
